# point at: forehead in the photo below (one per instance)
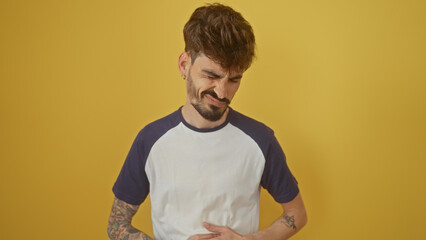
(202, 62)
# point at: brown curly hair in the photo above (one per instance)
(222, 34)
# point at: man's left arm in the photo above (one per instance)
(291, 221)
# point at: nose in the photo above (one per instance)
(220, 88)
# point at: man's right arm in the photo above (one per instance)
(119, 224)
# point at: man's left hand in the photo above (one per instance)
(223, 232)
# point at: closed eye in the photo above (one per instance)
(236, 78)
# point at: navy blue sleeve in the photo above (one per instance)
(277, 178)
(132, 184)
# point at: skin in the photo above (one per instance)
(205, 75)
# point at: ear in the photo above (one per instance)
(184, 63)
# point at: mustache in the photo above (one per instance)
(214, 95)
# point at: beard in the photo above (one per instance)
(209, 112)
(213, 114)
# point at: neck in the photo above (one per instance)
(191, 116)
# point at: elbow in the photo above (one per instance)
(116, 230)
(109, 232)
(112, 231)
(303, 220)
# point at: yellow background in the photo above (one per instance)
(342, 83)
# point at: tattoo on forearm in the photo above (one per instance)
(119, 224)
(288, 221)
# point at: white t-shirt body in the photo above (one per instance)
(204, 175)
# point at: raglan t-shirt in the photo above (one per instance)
(204, 175)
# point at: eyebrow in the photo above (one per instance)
(216, 75)
(213, 74)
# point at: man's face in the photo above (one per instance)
(210, 88)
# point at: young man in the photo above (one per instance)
(203, 165)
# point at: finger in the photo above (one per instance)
(202, 236)
(212, 227)
(207, 236)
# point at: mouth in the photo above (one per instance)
(215, 101)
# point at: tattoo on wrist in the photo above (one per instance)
(132, 230)
(288, 221)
